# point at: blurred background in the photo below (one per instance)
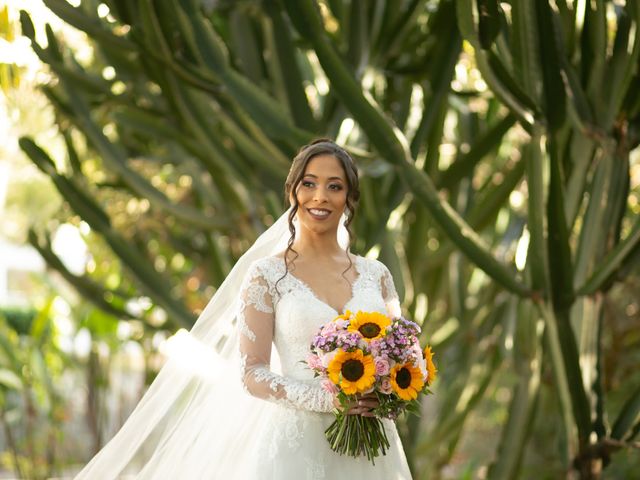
(144, 146)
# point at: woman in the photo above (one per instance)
(197, 421)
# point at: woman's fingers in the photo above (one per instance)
(361, 405)
(369, 401)
(364, 406)
(359, 411)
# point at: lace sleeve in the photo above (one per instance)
(256, 322)
(389, 294)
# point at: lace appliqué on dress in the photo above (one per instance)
(298, 394)
(389, 293)
(286, 429)
(244, 329)
(315, 469)
(256, 322)
(264, 375)
(255, 296)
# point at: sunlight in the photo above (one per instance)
(191, 355)
(70, 247)
(521, 250)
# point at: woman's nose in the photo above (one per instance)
(319, 194)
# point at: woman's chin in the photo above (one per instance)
(319, 227)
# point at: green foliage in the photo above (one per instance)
(497, 144)
(30, 364)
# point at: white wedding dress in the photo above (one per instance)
(289, 443)
(235, 414)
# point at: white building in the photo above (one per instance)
(17, 262)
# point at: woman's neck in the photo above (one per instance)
(317, 246)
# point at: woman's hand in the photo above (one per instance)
(362, 405)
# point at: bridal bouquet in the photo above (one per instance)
(364, 353)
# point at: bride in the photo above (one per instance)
(226, 405)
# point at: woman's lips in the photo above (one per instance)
(318, 216)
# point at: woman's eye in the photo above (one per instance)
(335, 186)
(307, 184)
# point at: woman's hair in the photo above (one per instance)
(321, 146)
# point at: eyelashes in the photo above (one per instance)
(334, 186)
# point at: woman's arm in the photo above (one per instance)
(256, 323)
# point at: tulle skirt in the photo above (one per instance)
(213, 429)
(292, 445)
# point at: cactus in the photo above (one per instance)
(206, 104)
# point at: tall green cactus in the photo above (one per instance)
(494, 141)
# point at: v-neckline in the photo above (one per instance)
(306, 286)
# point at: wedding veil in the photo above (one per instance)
(195, 418)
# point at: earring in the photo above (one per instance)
(345, 216)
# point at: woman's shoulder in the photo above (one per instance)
(373, 264)
(267, 268)
(265, 265)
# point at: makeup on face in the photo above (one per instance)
(322, 192)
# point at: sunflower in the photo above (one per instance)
(406, 381)
(353, 371)
(431, 367)
(344, 316)
(370, 325)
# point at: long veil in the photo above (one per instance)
(195, 420)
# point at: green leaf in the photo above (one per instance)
(560, 255)
(593, 222)
(26, 24)
(10, 380)
(92, 26)
(628, 416)
(493, 71)
(285, 63)
(612, 261)
(488, 22)
(524, 44)
(623, 64)
(79, 201)
(87, 287)
(550, 54)
(484, 144)
(522, 408)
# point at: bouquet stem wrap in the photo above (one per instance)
(356, 435)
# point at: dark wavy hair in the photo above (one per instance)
(320, 146)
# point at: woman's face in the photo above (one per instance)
(322, 194)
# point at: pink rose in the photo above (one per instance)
(374, 346)
(385, 386)
(328, 386)
(314, 362)
(416, 352)
(382, 366)
(341, 324)
(330, 328)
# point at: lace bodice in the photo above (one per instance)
(288, 317)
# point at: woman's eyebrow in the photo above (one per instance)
(315, 176)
